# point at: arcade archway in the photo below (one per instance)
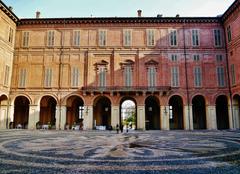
(199, 112)
(152, 113)
(236, 110)
(176, 112)
(3, 111)
(128, 113)
(222, 112)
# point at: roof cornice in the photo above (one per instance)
(231, 9)
(8, 12)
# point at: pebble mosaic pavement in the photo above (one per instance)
(180, 152)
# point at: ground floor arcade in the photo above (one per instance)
(144, 112)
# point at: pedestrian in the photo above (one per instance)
(127, 128)
(117, 128)
(121, 128)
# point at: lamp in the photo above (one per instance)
(165, 110)
(87, 110)
(150, 108)
(106, 109)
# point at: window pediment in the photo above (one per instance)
(151, 63)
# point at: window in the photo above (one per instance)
(6, 79)
(127, 37)
(195, 37)
(102, 37)
(220, 76)
(48, 77)
(229, 33)
(102, 76)
(151, 37)
(76, 38)
(219, 58)
(75, 77)
(152, 76)
(10, 35)
(196, 58)
(197, 76)
(128, 75)
(50, 38)
(233, 74)
(217, 38)
(22, 78)
(173, 37)
(25, 39)
(174, 58)
(175, 76)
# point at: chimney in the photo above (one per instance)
(139, 13)
(10, 8)
(159, 15)
(177, 15)
(38, 14)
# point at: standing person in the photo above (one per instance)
(127, 128)
(117, 128)
(121, 128)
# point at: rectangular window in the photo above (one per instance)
(151, 37)
(127, 37)
(197, 76)
(50, 38)
(25, 39)
(102, 37)
(6, 79)
(48, 77)
(196, 58)
(128, 76)
(173, 37)
(75, 77)
(217, 38)
(151, 76)
(102, 76)
(195, 37)
(233, 74)
(174, 58)
(22, 78)
(219, 58)
(220, 76)
(10, 35)
(229, 33)
(175, 76)
(76, 38)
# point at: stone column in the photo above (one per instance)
(3, 116)
(88, 117)
(236, 116)
(211, 117)
(141, 117)
(230, 118)
(164, 117)
(188, 118)
(63, 117)
(34, 116)
(10, 116)
(58, 117)
(115, 116)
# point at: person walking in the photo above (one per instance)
(117, 128)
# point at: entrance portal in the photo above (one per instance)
(176, 112)
(222, 112)
(152, 113)
(102, 113)
(199, 112)
(128, 110)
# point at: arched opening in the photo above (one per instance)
(102, 113)
(128, 113)
(48, 111)
(152, 113)
(3, 111)
(176, 112)
(222, 112)
(21, 112)
(199, 112)
(75, 109)
(236, 110)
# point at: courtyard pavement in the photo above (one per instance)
(171, 152)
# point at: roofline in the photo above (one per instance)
(8, 12)
(230, 10)
(101, 20)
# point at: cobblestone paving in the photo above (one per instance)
(182, 152)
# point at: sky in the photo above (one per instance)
(117, 8)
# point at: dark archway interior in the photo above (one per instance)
(152, 113)
(21, 111)
(236, 104)
(102, 112)
(48, 110)
(176, 112)
(74, 111)
(222, 112)
(199, 112)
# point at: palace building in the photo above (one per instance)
(179, 72)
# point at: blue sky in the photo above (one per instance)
(119, 8)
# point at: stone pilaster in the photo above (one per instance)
(188, 118)
(34, 116)
(88, 117)
(3, 116)
(141, 117)
(63, 117)
(164, 117)
(115, 116)
(211, 117)
(230, 118)
(236, 116)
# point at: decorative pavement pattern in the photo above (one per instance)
(180, 152)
